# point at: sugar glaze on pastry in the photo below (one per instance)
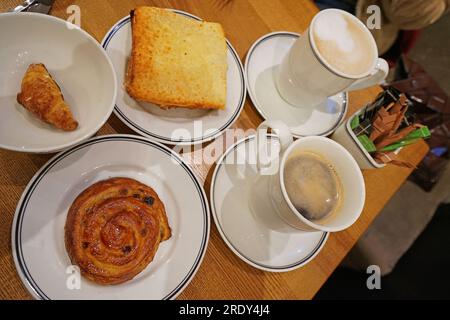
(114, 228)
(41, 95)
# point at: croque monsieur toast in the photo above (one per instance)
(176, 61)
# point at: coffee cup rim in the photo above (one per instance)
(349, 158)
(323, 60)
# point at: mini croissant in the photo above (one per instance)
(42, 96)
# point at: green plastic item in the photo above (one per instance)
(395, 146)
(354, 123)
(422, 132)
(367, 143)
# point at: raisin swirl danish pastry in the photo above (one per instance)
(114, 228)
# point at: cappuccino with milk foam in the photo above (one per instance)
(344, 43)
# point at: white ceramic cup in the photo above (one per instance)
(306, 79)
(346, 168)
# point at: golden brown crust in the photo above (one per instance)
(176, 61)
(42, 96)
(113, 230)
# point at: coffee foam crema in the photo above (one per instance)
(312, 185)
(343, 44)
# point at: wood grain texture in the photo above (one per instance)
(222, 275)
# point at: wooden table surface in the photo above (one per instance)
(222, 275)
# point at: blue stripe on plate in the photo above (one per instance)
(213, 203)
(211, 135)
(35, 182)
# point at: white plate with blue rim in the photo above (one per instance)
(38, 228)
(175, 126)
(261, 64)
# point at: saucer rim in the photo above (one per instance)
(268, 268)
(257, 106)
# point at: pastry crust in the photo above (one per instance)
(42, 96)
(176, 61)
(114, 228)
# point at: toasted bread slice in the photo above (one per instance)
(176, 61)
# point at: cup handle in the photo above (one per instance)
(263, 163)
(378, 74)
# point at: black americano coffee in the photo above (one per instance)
(312, 185)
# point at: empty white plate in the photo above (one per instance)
(75, 60)
(38, 227)
(261, 64)
(178, 125)
(244, 216)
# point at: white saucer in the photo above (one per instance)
(173, 126)
(38, 227)
(252, 229)
(261, 63)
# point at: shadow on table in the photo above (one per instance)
(422, 273)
